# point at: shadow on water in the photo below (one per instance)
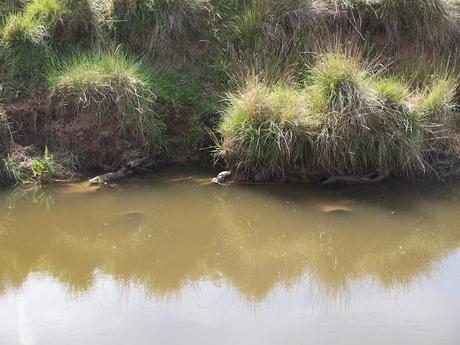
(170, 230)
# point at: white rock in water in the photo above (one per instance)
(221, 177)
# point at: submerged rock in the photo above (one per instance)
(335, 209)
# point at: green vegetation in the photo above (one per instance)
(13, 172)
(429, 22)
(160, 28)
(57, 19)
(345, 121)
(326, 87)
(271, 37)
(266, 130)
(31, 36)
(8, 6)
(25, 165)
(43, 168)
(111, 86)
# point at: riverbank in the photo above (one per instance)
(325, 90)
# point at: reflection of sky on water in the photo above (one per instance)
(173, 262)
(427, 312)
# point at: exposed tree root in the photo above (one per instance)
(375, 177)
(127, 170)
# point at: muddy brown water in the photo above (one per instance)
(170, 259)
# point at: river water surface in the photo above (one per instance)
(169, 259)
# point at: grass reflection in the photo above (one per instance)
(166, 236)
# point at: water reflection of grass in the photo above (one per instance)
(250, 239)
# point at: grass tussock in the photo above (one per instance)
(160, 28)
(347, 120)
(429, 22)
(111, 86)
(425, 23)
(271, 37)
(437, 103)
(8, 6)
(31, 36)
(60, 20)
(267, 131)
(23, 45)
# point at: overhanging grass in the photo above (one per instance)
(347, 120)
(30, 37)
(368, 127)
(111, 86)
(61, 20)
(9, 6)
(267, 131)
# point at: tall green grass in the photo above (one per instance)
(430, 22)
(160, 28)
(23, 51)
(9, 6)
(426, 24)
(58, 19)
(114, 87)
(31, 36)
(267, 131)
(271, 38)
(347, 120)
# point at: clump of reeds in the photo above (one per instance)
(347, 120)
(113, 87)
(266, 130)
(369, 123)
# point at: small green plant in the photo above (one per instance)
(126, 143)
(12, 171)
(43, 168)
(104, 134)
